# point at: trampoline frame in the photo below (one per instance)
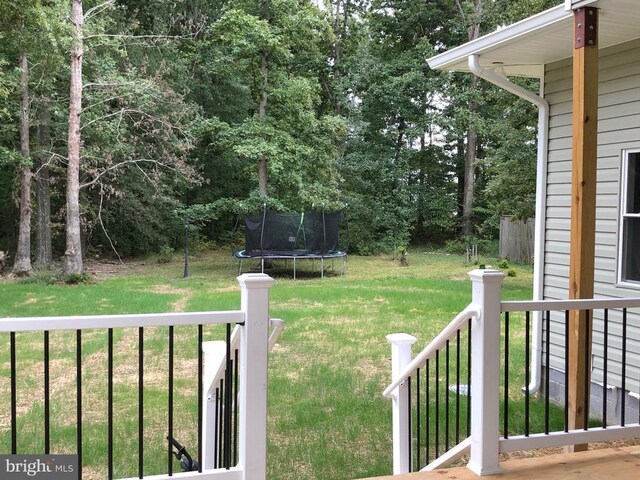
(240, 256)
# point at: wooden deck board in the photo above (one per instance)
(621, 463)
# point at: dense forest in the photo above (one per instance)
(122, 120)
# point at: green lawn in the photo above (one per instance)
(327, 417)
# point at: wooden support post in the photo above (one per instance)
(583, 208)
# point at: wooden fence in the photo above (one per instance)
(516, 239)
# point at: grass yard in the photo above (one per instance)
(327, 417)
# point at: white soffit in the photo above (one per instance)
(525, 47)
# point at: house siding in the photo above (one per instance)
(618, 129)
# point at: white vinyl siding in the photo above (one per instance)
(618, 129)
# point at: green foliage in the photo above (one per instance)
(263, 44)
(503, 264)
(76, 278)
(165, 254)
(354, 120)
(50, 278)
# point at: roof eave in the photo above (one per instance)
(527, 26)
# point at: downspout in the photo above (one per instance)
(541, 202)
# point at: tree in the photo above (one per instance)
(15, 23)
(43, 245)
(23, 24)
(473, 21)
(73, 251)
(212, 107)
(22, 264)
(395, 161)
(285, 144)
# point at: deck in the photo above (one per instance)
(620, 463)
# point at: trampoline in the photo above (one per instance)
(311, 235)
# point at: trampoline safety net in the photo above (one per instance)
(299, 234)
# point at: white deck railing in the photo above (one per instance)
(251, 339)
(215, 368)
(485, 442)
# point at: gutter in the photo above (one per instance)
(453, 59)
(541, 201)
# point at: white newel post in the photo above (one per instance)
(485, 372)
(252, 448)
(400, 357)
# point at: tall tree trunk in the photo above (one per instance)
(262, 166)
(43, 249)
(472, 137)
(22, 265)
(469, 171)
(459, 173)
(73, 253)
(338, 31)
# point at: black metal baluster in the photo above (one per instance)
(228, 377)
(410, 425)
(235, 410)
(47, 389)
(458, 386)
(140, 402)
(79, 399)
(428, 412)
(546, 380)
(437, 442)
(587, 370)
(505, 406)
(14, 397)
(605, 367)
(566, 371)
(216, 428)
(418, 419)
(200, 388)
(446, 398)
(527, 370)
(624, 368)
(170, 403)
(221, 424)
(110, 403)
(469, 379)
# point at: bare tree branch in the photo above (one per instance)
(104, 230)
(139, 37)
(52, 156)
(459, 5)
(98, 9)
(109, 85)
(124, 111)
(104, 117)
(128, 162)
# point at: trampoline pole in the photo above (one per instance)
(294, 268)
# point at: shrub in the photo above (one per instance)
(50, 278)
(165, 255)
(75, 278)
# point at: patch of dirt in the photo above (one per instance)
(179, 305)
(108, 268)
